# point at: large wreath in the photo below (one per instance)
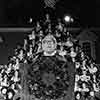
(48, 78)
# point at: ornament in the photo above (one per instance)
(92, 93)
(77, 64)
(78, 96)
(49, 44)
(84, 77)
(4, 90)
(62, 52)
(95, 87)
(10, 94)
(39, 47)
(77, 88)
(60, 26)
(47, 19)
(68, 43)
(32, 36)
(92, 69)
(82, 55)
(38, 27)
(84, 88)
(16, 79)
(72, 53)
(58, 35)
(21, 54)
(25, 44)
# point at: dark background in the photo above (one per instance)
(16, 13)
(7, 47)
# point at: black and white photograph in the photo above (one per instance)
(49, 49)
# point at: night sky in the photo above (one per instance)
(15, 12)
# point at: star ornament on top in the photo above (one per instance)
(50, 3)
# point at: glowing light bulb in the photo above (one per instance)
(30, 20)
(67, 18)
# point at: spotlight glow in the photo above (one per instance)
(30, 20)
(67, 18)
(72, 20)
